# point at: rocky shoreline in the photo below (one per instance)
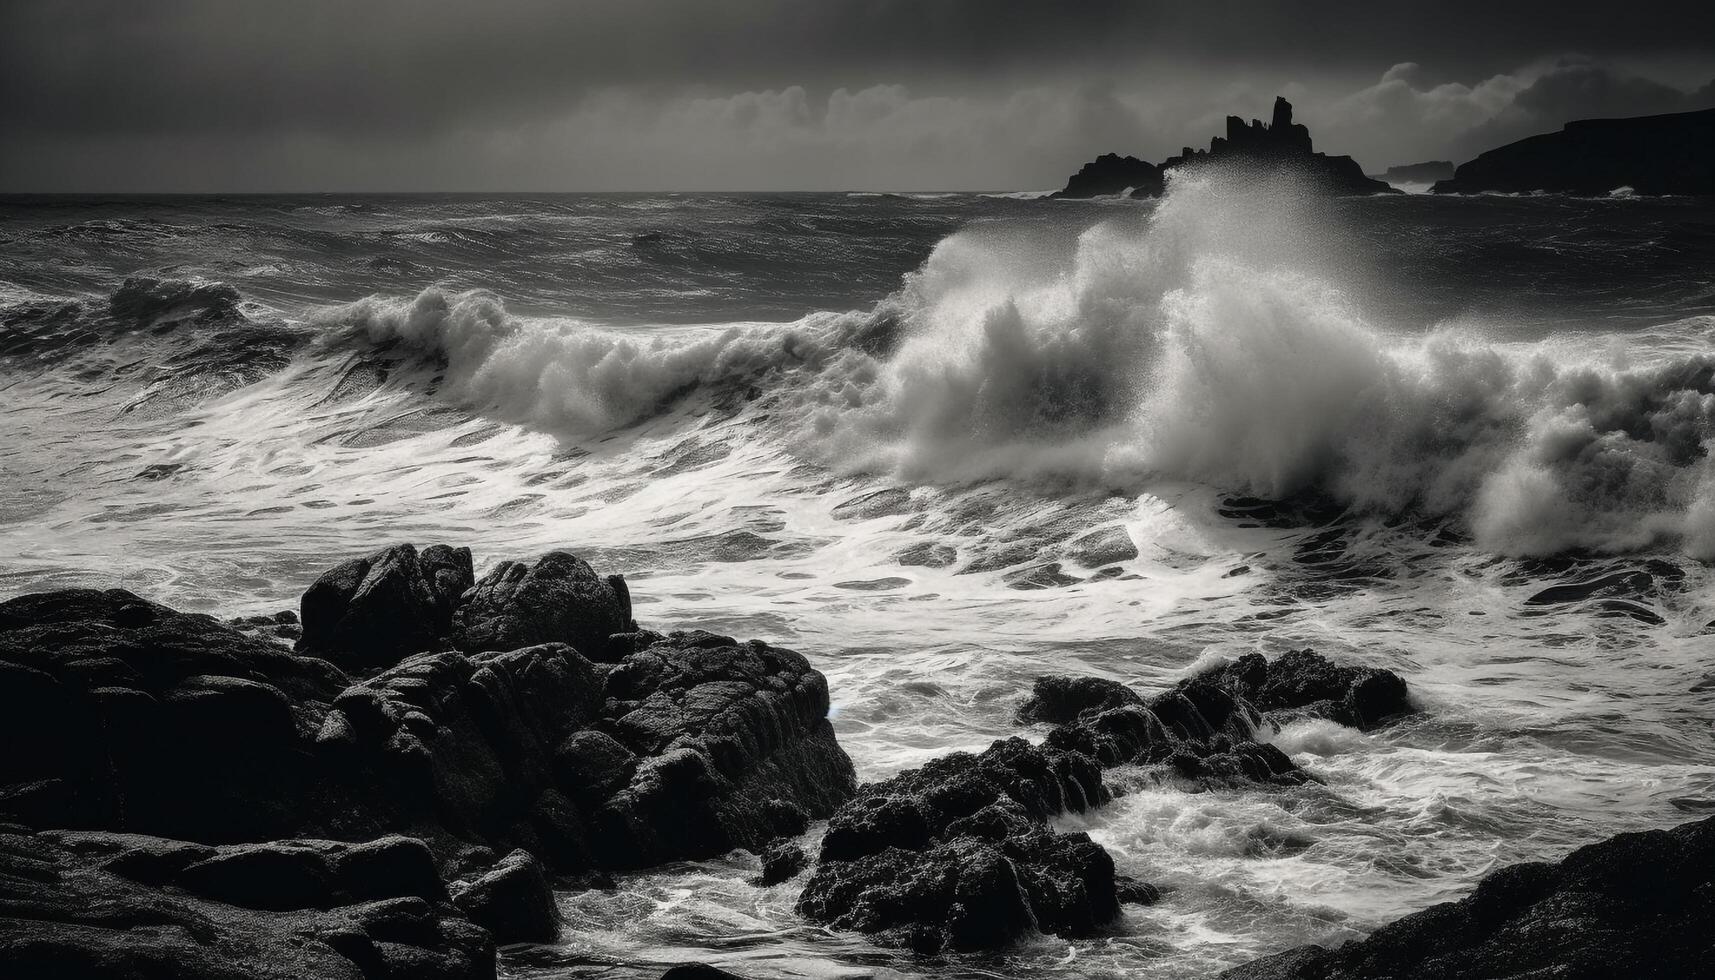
(397, 792)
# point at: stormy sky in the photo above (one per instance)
(331, 95)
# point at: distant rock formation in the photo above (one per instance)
(1667, 154)
(1419, 173)
(1111, 174)
(1278, 146)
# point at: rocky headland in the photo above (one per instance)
(1275, 148)
(1666, 154)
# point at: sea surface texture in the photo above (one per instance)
(943, 444)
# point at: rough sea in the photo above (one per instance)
(941, 445)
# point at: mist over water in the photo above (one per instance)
(943, 446)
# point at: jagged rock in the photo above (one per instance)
(734, 749)
(115, 905)
(1130, 891)
(560, 599)
(1111, 174)
(1636, 905)
(955, 854)
(1665, 154)
(513, 901)
(1058, 700)
(1249, 151)
(157, 722)
(1304, 682)
(369, 612)
(781, 861)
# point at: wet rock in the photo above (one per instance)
(781, 861)
(74, 907)
(733, 744)
(513, 901)
(560, 599)
(1304, 682)
(142, 718)
(1634, 905)
(369, 612)
(955, 853)
(1130, 891)
(1057, 700)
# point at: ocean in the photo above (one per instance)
(943, 444)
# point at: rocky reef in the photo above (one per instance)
(1256, 149)
(958, 854)
(1666, 154)
(395, 792)
(1635, 905)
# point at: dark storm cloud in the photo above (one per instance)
(407, 93)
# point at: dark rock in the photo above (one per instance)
(513, 901)
(1130, 891)
(1636, 905)
(1667, 154)
(150, 720)
(1111, 174)
(370, 612)
(781, 861)
(955, 853)
(560, 599)
(734, 750)
(1057, 700)
(697, 971)
(72, 910)
(1257, 150)
(1304, 682)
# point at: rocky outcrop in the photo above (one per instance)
(1637, 905)
(151, 721)
(957, 854)
(82, 904)
(1667, 154)
(368, 612)
(560, 599)
(1254, 150)
(1111, 174)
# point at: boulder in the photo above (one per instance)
(513, 901)
(733, 749)
(1306, 683)
(81, 905)
(151, 720)
(781, 861)
(956, 853)
(560, 599)
(1636, 905)
(368, 613)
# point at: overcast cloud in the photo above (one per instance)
(785, 94)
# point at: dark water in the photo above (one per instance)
(943, 444)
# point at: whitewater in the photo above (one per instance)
(943, 445)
